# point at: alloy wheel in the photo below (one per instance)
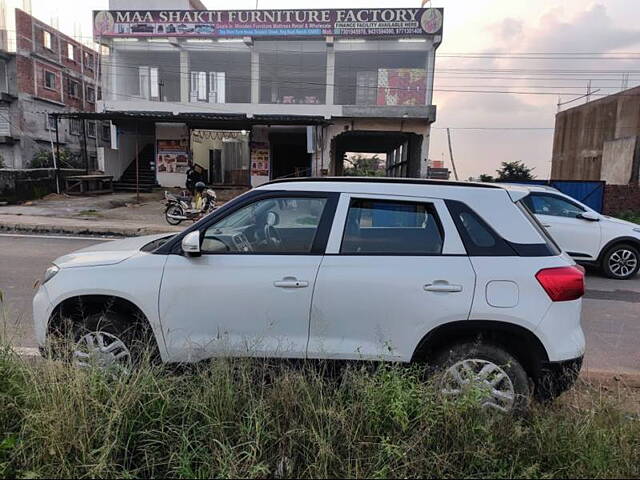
(102, 350)
(623, 262)
(481, 377)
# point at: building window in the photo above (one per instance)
(74, 126)
(91, 94)
(198, 86)
(74, 89)
(91, 129)
(88, 60)
(49, 121)
(149, 81)
(47, 42)
(71, 52)
(49, 80)
(106, 132)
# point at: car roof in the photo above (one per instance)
(533, 187)
(399, 185)
(393, 180)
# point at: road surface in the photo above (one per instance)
(611, 317)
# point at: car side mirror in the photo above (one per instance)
(191, 244)
(590, 216)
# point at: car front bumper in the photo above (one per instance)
(42, 309)
(557, 377)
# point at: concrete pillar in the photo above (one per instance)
(112, 62)
(331, 74)
(185, 76)
(424, 152)
(430, 68)
(255, 75)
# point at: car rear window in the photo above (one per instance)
(551, 243)
(380, 227)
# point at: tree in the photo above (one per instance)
(487, 178)
(514, 171)
(360, 166)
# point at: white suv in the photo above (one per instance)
(590, 238)
(456, 275)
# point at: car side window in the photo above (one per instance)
(282, 225)
(546, 204)
(381, 227)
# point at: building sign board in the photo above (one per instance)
(379, 22)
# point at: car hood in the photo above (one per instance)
(107, 253)
(618, 221)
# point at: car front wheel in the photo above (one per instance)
(621, 262)
(488, 373)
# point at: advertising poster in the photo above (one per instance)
(402, 86)
(260, 159)
(173, 156)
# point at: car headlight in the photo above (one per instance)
(50, 273)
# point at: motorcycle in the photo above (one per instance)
(179, 207)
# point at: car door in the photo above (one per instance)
(249, 293)
(579, 237)
(395, 268)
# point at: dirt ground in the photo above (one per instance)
(593, 387)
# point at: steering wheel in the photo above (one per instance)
(272, 236)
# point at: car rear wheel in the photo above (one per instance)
(172, 212)
(621, 262)
(487, 373)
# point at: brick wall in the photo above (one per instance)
(20, 185)
(621, 198)
(25, 75)
(33, 59)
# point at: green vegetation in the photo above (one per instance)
(89, 213)
(44, 159)
(260, 419)
(361, 166)
(629, 216)
(514, 172)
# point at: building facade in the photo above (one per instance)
(599, 140)
(293, 92)
(43, 71)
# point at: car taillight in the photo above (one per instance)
(562, 284)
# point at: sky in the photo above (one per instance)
(537, 52)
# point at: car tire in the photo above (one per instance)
(485, 365)
(109, 339)
(621, 262)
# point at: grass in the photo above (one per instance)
(629, 216)
(241, 418)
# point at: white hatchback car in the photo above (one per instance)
(590, 238)
(456, 275)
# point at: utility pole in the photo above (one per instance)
(453, 163)
(588, 96)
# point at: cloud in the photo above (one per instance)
(572, 28)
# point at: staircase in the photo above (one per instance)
(145, 174)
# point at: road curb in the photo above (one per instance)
(79, 229)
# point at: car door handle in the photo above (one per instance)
(546, 225)
(291, 282)
(442, 287)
